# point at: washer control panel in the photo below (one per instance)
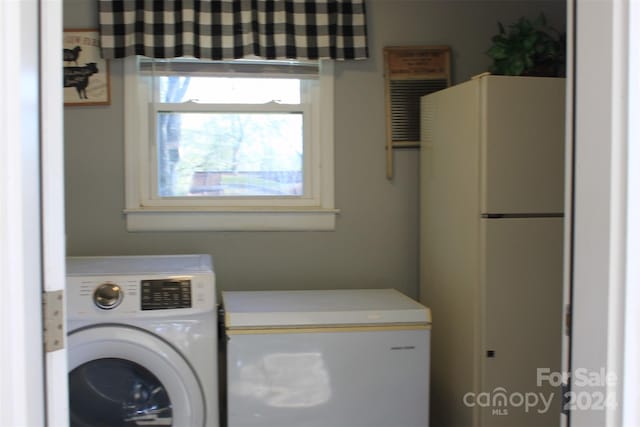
(127, 296)
(164, 294)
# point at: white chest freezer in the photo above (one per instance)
(338, 358)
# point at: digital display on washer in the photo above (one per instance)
(165, 294)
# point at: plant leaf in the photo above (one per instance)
(497, 52)
(527, 46)
(541, 21)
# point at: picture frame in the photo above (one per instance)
(85, 73)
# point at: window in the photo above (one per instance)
(229, 145)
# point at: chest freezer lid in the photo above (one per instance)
(344, 307)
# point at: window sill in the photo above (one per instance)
(156, 219)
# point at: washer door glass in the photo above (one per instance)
(124, 376)
(117, 392)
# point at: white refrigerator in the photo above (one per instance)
(491, 247)
(327, 358)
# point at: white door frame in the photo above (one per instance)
(606, 216)
(607, 208)
(52, 170)
(32, 384)
(631, 388)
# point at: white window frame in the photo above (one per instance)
(145, 211)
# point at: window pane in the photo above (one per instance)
(229, 154)
(229, 90)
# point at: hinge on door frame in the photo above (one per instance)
(53, 320)
(567, 320)
(565, 398)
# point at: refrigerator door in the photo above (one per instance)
(522, 327)
(337, 378)
(522, 149)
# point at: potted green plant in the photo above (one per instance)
(528, 48)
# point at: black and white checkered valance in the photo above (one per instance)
(232, 29)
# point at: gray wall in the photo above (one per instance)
(375, 243)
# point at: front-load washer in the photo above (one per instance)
(142, 341)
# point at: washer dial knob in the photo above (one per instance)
(107, 296)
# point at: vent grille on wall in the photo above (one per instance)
(410, 73)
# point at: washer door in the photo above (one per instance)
(125, 376)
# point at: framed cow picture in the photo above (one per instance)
(85, 73)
